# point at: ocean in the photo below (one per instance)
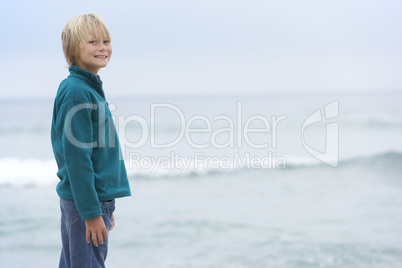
(301, 179)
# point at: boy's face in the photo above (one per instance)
(94, 53)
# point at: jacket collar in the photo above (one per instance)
(89, 77)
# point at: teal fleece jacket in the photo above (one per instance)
(85, 145)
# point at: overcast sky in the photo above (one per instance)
(210, 47)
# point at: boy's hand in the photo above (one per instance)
(96, 229)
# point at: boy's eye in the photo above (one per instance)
(107, 42)
(92, 42)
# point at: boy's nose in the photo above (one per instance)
(102, 47)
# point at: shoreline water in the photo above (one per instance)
(344, 217)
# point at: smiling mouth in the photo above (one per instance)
(101, 57)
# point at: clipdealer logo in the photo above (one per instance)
(204, 162)
(330, 155)
(237, 131)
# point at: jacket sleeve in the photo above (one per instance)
(75, 126)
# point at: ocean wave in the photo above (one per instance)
(42, 173)
(27, 172)
(389, 158)
(373, 123)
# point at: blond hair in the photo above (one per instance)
(80, 28)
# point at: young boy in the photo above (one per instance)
(87, 150)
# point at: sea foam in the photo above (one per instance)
(42, 173)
